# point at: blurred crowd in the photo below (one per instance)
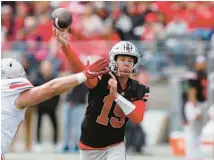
(152, 26)
(107, 20)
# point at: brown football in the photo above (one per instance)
(62, 18)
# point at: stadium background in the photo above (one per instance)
(169, 36)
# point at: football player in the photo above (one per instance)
(195, 109)
(17, 93)
(113, 99)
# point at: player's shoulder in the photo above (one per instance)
(16, 85)
(136, 85)
(141, 90)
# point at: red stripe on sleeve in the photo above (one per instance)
(13, 86)
(2, 157)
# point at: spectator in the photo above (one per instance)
(92, 24)
(129, 21)
(195, 108)
(135, 137)
(43, 29)
(7, 21)
(176, 27)
(48, 107)
(153, 28)
(100, 9)
(74, 110)
(22, 12)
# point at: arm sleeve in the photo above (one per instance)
(135, 109)
(137, 114)
(17, 86)
(143, 93)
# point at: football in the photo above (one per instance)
(62, 18)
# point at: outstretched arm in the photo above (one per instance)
(60, 85)
(73, 59)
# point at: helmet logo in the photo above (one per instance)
(127, 47)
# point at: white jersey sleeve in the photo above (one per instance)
(11, 117)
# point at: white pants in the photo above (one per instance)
(192, 144)
(111, 153)
(193, 130)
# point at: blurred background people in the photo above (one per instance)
(48, 107)
(73, 113)
(177, 26)
(195, 109)
(135, 138)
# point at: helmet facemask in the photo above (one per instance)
(115, 68)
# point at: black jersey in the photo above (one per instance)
(104, 122)
(200, 84)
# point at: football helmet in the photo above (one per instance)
(124, 48)
(10, 69)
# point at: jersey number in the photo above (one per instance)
(103, 117)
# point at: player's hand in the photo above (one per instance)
(198, 114)
(97, 68)
(198, 117)
(113, 85)
(61, 36)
